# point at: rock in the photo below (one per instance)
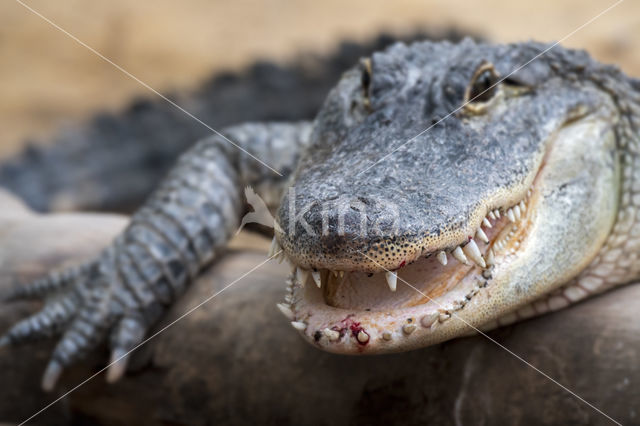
(236, 360)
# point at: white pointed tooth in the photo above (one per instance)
(459, 255)
(341, 274)
(516, 212)
(275, 247)
(523, 206)
(497, 213)
(482, 236)
(286, 311)
(442, 257)
(409, 328)
(335, 273)
(316, 277)
(529, 193)
(511, 216)
(301, 276)
(362, 337)
(492, 215)
(392, 280)
(486, 223)
(332, 335)
(491, 260)
(472, 250)
(299, 325)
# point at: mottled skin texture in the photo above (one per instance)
(564, 127)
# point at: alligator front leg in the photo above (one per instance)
(181, 229)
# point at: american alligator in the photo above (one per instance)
(518, 199)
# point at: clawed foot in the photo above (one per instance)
(84, 305)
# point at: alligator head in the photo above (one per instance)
(437, 195)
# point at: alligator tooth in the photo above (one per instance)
(428, 320)
(516, 212)
(386, 335)
(362, 337)
(486, 223)
(275, 247)
(293, 266)
(490, 258)
(497, 213)
(511, 216)
(459, 255)
(444, 316)
(341, 274)
(299, 325)
(330, 334)
(335, 273)
(492, 215)
(472, 250)
(529, 193)
(301, 276)
(523, 206)
(482, 236)
(286, 311)
(317, 278)
(408, 328)
(442, 258)
(392, 280)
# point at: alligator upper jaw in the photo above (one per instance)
(354, 311)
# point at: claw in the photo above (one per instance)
(117, 364)
(51, 375)
(126, 336)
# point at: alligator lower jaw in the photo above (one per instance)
(357, 312)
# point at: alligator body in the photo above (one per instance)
(430, 196)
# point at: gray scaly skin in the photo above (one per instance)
(522, 201)
(182, 227)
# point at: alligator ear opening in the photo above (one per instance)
(482, 88)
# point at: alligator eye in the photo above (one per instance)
(366, 80)
(483, 85)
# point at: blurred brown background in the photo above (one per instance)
(47, 79)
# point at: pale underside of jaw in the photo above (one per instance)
(350, 307)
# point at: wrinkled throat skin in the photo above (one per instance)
(443, 192)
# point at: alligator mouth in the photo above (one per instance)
(359, 311)
(346, 311)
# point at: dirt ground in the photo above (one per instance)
(48, 80)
